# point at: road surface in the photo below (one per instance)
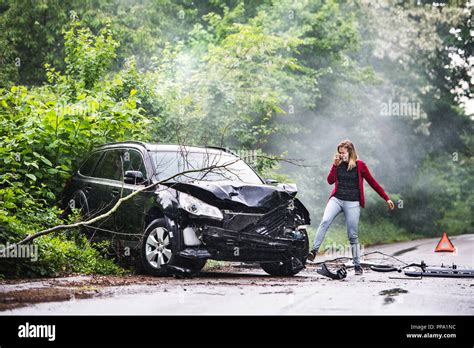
(244, 289)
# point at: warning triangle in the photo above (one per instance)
(445, 244)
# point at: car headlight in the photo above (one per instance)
(197, 207)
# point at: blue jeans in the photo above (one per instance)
(351, 211)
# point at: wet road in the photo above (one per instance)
(248, 290)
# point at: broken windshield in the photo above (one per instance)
(230, 167)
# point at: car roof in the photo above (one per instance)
(166, 147)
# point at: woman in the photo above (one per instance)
(347, 172)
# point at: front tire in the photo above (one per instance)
(158, 252)
(293, 265)
(281, 269)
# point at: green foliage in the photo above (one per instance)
(45, 131)
(440, 199)
(61, 255)
(57, 255)
(88, 56)
(30, 36)
(32, 31)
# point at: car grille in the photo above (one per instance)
(237, 221)
(270, 224)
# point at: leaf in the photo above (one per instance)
(46, 161)
(10, 205)
(50, 195)
(31, 176)
(32, 164)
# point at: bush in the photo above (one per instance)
(55, 254)
(44, 132)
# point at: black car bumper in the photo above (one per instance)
(231, 245)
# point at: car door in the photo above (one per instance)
(88, 186)
(130, 216)
(108, 174)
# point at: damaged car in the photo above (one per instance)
(193, 204)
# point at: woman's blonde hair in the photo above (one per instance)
(351, 150)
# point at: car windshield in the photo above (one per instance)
(229, 167)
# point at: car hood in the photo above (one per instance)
(232, 195)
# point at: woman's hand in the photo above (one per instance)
(337, 160)
(390, 204)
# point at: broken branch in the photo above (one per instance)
(112, 210)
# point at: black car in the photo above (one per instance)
(200, 203)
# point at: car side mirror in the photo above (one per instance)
(134, 177)
(271, 181)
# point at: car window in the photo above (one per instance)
(228, 167)
(132, 160)
(111, 166)
(87, 168)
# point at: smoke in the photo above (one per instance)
(383, 116)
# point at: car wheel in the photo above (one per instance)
(281, 269)
(293, 265)
(159, 252)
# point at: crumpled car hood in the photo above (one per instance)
(231, 194)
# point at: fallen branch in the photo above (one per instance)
(112, 210)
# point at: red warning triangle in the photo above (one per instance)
(445, 244)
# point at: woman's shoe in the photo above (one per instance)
(312, 255)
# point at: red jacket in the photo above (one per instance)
(364, 173)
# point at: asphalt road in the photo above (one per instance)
(244, 289)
